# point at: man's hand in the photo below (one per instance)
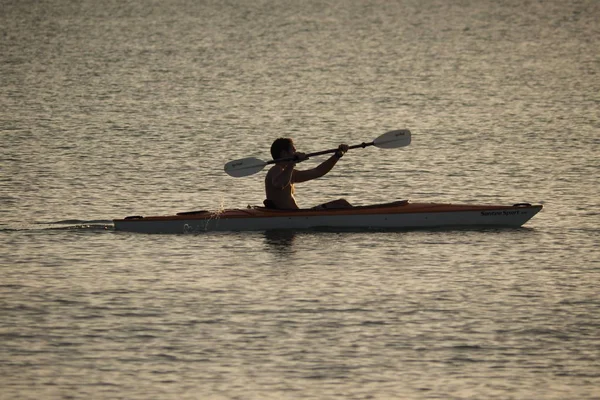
(299, 157)
(342, 149)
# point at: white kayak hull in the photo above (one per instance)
(398, 215)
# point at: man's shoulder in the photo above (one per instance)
(272, 169)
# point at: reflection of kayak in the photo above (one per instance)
(396, 215)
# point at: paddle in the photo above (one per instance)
(252, 165)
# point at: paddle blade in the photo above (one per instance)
(244, 167)
(393, 139)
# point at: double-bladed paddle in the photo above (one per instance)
(252, 165)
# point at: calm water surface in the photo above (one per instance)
(116, 108)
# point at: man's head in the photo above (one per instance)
(282, 147)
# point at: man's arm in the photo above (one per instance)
(319, 171)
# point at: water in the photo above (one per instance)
(133, 107)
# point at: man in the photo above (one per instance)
(280, 180)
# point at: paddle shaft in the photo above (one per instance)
(319, 153)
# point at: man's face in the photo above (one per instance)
(291, 151)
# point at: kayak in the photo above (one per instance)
(398, 215)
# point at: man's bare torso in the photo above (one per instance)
(282, 198)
